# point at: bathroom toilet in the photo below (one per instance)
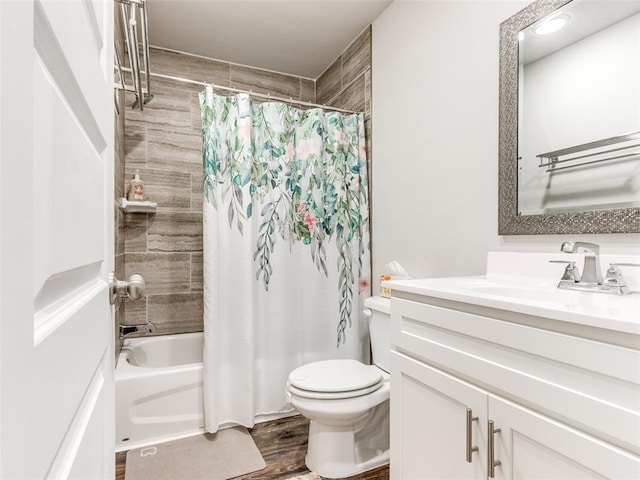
(347, 403)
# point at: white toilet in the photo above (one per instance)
(347, 404)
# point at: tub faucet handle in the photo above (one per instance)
(149, 327)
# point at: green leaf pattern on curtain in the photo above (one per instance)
(302, 171)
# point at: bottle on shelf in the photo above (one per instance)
(136, 188)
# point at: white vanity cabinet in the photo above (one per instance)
(565, 397)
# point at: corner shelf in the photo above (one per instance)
(137, 207)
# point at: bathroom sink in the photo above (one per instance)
(484, 286)
(526, 283)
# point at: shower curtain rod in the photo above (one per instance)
(253, 94)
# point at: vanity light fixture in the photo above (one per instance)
(552, 24)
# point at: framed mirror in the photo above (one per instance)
(569, 118)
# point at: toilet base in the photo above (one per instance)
(338, 451)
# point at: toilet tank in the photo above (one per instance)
(379, 330)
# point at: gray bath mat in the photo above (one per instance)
(229, 453)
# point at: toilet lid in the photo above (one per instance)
(334, 376)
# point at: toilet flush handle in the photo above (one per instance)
(367, 313)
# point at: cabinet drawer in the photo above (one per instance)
(592, 385)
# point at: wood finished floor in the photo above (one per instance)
(283, 444)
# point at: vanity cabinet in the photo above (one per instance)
(566, 400)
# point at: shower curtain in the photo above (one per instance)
(286, 250)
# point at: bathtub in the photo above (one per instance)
(158, 390)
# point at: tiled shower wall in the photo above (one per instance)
(346, 83)
(164, 143)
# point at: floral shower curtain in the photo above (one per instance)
(286, 249)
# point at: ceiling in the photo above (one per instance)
(299, 37)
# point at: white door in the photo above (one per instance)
(429, 428)
(56, 239)
(531, 446)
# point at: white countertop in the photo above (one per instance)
(505, 288)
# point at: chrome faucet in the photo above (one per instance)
(591, 273)
(140, 328)
(591, 279)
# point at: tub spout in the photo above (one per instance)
(140, 328)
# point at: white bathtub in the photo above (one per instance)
(158, 390)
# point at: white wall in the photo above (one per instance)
(435, 140)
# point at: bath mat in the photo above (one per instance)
(229, 453)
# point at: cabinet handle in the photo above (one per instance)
(469, 447)
(491, 463)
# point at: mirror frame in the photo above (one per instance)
(614, 220)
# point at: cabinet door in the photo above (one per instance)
(533, 446)
(428, 423)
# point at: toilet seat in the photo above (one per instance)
(333, 395)
(334, 379)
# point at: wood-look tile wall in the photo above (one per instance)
(164, 142)
(346, 83)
